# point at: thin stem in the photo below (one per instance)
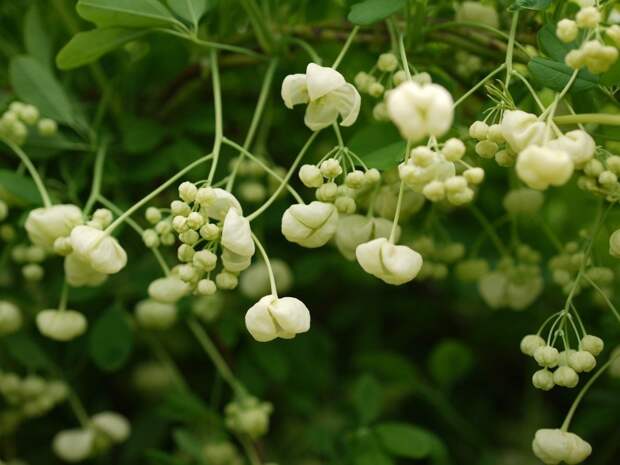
(530, 88)
(472, 24)
(164, 357)
(499, 245)
(259, 24)
(286, 179)
(64, 296)
(338, 135)
(250, 450)
(258, 113)
(345, 47)
(605, 297)
(98, 172)
(34, 174)
(211, 45)
(403, 55)
(262, 164)
(585, 118)
(477, 86)
(399, 203)
(154, 193)
(568, 85)
(584, 390)
(511, 47)
(217, 98)
(272, 279)
(211, 350)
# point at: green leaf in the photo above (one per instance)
(36, 38)
(367, 398)
(530, 5)
(404, 440)
(16, 189)
(134, 13)
(183, 406)
(450, 361)
(371, 11)
(190, 445)
(368, 450)
(552, 46)
(190, 10)
(89, 46)
(111, 340)
(35, 84)
(555, 75)
(23, 349)
(386, 157)
(141, 135)
(157, 457)
(612, 77)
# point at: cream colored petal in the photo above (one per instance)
(291, 315)
(321, 80)
(401, 263)
(321, 114)
(294, 90)
(259, 322)
(348, 103)
(237, 235)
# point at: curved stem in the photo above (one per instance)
(34, 174)
(272, 279)
(472, 24)
(511, 47)
(345, 47)
(403, 55)
(399, 204)
(477, 86)
(98, 172)
(286, 179)
(212, 45)
(499, 245)
(217, 99)
(64, 296)
(585, 118)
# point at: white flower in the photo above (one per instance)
(592, 344)
(61, 325)
(553, 446)
(74, 445)
(540, 167)
(10, 318)
(310, 225)
(394, 264)
(238, 246)
(101, 251)
(273, 317)
(168, 290)
(521, 129)
(152, 314)
(420, 110)
(113, 425)
(354, 230)
(80, 273)
(578, 144)
(45, 225)
(327, 94)
(219, 202)
(254, 282)
(530, 343)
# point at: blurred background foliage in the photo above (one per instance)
(422, 373)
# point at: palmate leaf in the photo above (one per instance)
(555, 75)
(371, 11)
(190, 10)
(123, 13)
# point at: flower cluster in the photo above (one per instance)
(15, 121)
(437, 256)
(248, 416)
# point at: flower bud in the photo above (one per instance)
(187, 192)
(553, 446)
(33, 272)
(195, 220)
(310, 225)
(150, 238)
(543, 379)
(478, 13)
(565, 376)
(530, 343)
(387, 62)
(567, 30)
(547, 356)
(588, 17)
(273, 317)
(310, 176)
(79, 272)
(74, 445)
(220, 201)
(521, 129)
(10, 318)
(45, 225)
(102, 252)
(581, 361)
(168, 290)
(523, 201)
(47, 127)
(61, 325)
(205, 260)
(478, 130)
(399, 77)
(592, 344)
(394, 264)
(210, 232)
(331, 168)
(114, 426)
(206, 287)
(474, 175)
(248, 416)
(578, 144)
(453, 149)
(226, 280)
(152, 314)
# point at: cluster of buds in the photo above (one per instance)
(515, 283)
(600, 177)
(595, 54)
(15, 121)
(103, 430)
(338, 181)
(567, 363)
(27, 397)
(29, 257)
(433, 173)
(248, 415)
(437, 257)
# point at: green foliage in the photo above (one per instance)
(555, 75)
(111, 340)
(371, 11)
(530, 5)
(119, 13)
(18, 189)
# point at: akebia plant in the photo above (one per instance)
(234, 228)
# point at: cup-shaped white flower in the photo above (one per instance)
(521, 129)
(45, 225)
(220, 203)
(113, 425)
(101, 251)
(310, 225)
(578, 144)
(541, 167)
(553, 446)
(10, 317)
(394, 264)
(152, 314)
(238, 246)
(168, 290)
(420, 110)
(74, 445)
(327, 94)
(79, 272)
(272, 317)
(354, 230)
(61, 325)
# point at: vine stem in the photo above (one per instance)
(258, 112)
(345, 47)
(64, 296)
(272, 279)
(211, 350)
(286, 179)
(217, 99)
(584, 390)
(511, 47)
(140, 203)
(165, 358)
(34, 174)
(585, 118)
(463, 97)
(98, 172)
(399, 204)
(403, 55)
(259, 162)
(499, 245)
(250, 450)
(602, 293)
(211, 45)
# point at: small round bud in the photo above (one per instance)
(376, 89)
(423, 156)
(4, 210)
(455, 184)
(543, 379)
(387, 62)
(565, 376)
(195, 220)
(206, 287)
(205, 260)
(35, 254)
(47, 127)
(210, 232)
(486, 149)
(179, 208)
(567, 30)
(547, 356)
(29, 114)
(150, 238)
(422, 78)
(479, 130)
(310, 176)
(380, 113)
(355, 179)
(373, 176)
(163, 227)
(474, 175)
(399, 77)
(607, 178)
(152, 215)
(188, 191)
(495, 134)
(331, 168)
(345, 205)
(205, 196)
(226, 280)
(592, 344)
(327, 192)
(504, 158)
(167, 238)
(103, 217)
(189, 237)
(10, 318)
(453, 149)
(179, 224)
(33, 272)
(530, 343)
(62, 246)
(185, 253)
(588, 17)
(434, 191)
(581, 361)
